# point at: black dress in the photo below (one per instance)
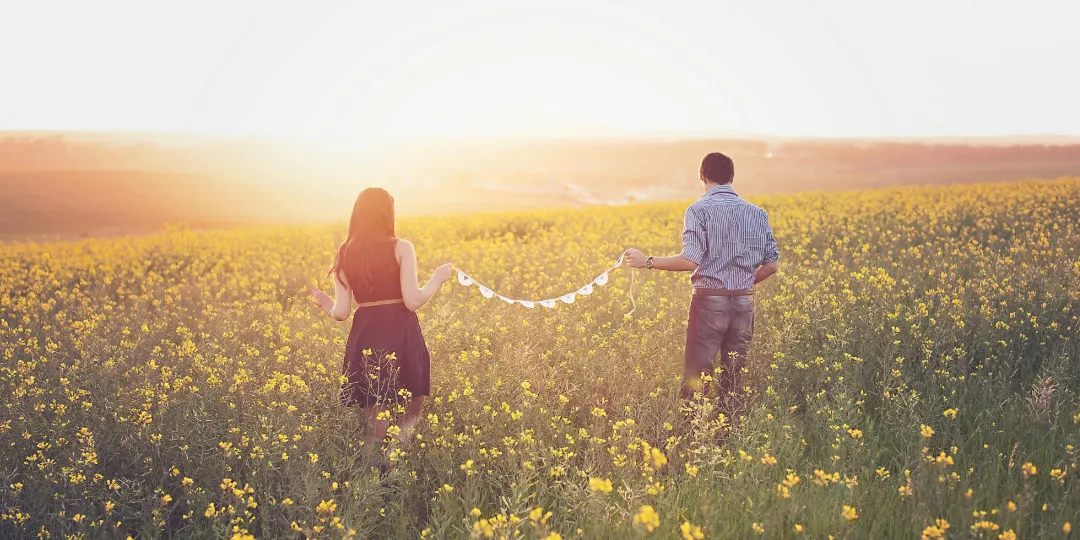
(386, 358)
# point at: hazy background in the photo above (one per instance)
(119, 116)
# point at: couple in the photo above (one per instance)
(727, 244)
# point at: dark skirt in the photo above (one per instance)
(386, 359)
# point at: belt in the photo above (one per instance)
(724, 292)
(381, 303)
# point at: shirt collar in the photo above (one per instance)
(723, 189)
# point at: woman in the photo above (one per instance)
(386, 359)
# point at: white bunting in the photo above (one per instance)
(569, 298)
(464, 279)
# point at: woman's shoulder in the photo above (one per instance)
(403, 247)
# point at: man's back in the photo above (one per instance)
(728, 238)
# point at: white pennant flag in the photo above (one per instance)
(585, 290)
(547, 303)
(507, 300)
(601, 279)
(527, 303)
(464, 279)
(568, 298)
(488, 293)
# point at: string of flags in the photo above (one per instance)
(568, 298)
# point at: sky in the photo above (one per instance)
(370, 70)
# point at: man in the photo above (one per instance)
(729, 246)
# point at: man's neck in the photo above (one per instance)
(711, 185)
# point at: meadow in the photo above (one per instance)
(914, 373)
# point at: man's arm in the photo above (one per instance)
(674, 263)
(771, 263)
(693, 252)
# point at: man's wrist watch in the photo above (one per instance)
(648, 263)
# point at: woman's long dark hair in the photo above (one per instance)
(372, 220)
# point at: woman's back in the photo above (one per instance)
(372, 270)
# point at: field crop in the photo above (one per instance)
(914, 373)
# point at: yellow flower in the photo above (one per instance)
(691, 532)
(1007, 535)
(286, 502)
(849, 513)
(1066, 528)
(1028, 469)
(658, 458)
(647, 518)
(599, 484)
(484, 527)
(949, 413)
(553, 536)
(757, 528)
(937, 530)
(798, 528)
(326, 507)
(475, 512)
(791, 480)
(1058, 474)
(926, 431)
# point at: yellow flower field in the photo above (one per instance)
(915, 373)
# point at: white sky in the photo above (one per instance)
(497, 68)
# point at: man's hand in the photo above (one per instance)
(635, 258)
(764, 271)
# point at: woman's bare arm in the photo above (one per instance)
(414, 295)
(342, 299)
(340, 306)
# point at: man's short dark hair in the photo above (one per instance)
(718, 168)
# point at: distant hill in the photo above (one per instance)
(94, 184)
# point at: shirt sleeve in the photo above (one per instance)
(772, 254)
(694, 245)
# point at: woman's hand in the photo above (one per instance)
(322, 300)
(442, 274)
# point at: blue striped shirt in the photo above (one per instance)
(728, 238)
